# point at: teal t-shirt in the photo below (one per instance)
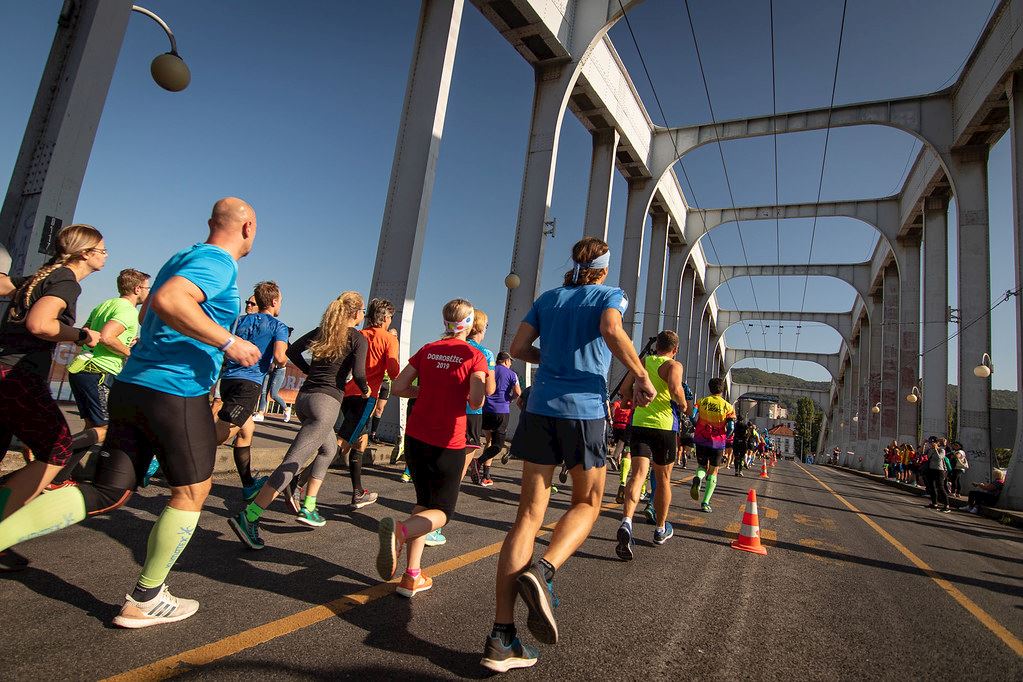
(166, 360)
(118, 310)
(491, 365)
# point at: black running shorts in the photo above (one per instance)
(240, 397)
(552, 440)
(707, 456)
(656, 444)
(620, 435)
(496, 423)
(436, 474)
(354, 417)
(474, 430)
(179, 431)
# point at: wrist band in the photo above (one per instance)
(227, 344)
(83, 336)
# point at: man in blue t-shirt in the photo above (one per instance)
(240, 386)
(159, 405)
(496, 412)
(579, 326)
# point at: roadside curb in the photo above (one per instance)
(1005, 516)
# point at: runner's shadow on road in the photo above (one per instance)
(267, 669)
(52, 586)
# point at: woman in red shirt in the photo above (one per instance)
(449, 371)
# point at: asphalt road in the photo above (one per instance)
(833, 599)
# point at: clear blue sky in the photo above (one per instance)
(295, 108)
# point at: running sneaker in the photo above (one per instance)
(154, 466)
(287, 415)
(406, 476)
(373, 439)
(474, 471)
(625, 542)
(434, 538)
(694, 489)
(247, 531)
(649, 513)
(506, 456)
(11, 561)
(258, 417)
(361, 498)
(310, 517)
(538, 594)
(486, 482)
(554, 490)
(389, 549)
(249, 492)
(705, 508)
(295, 493)
(739, 473)
(501, 658)
(620, 497)
(163, 608)
(410, 587)
(563, 476)
(946, 510)
(661, 537)
(645, 497)
(57, 486)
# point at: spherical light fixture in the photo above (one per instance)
(876, 409)
(170, 72)
(985, 368)
(913, 396)
(512, 281)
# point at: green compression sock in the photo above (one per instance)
(642, 491)
(701, 473)
(252, 512)
(55, 510)
(310, 503)
(626, 467)
(169, 537)
(712, 482)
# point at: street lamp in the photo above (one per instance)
(913, 396)
(512, 281)
(876, 409)
(168, 69)
(985, 369)
(856, 417)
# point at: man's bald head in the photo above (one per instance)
(233, 225)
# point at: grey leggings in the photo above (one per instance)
(319, 412)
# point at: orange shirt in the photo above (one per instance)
(381, 357)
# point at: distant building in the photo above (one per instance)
(776, 411)
(784, 439)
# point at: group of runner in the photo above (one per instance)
(159, 408)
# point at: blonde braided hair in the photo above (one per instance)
(334, 340)
(73, 243)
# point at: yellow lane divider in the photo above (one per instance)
(980, 614)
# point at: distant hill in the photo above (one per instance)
(752, 375)
(1000, 399)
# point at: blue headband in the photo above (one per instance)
(598, 263)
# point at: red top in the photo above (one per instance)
(444, 368)
(622, 416)
(381, 356)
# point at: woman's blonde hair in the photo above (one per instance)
(73, 244)
(479, 322)
(455, 310)
(334, 340)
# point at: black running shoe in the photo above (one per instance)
(563, 475)
(538, 594)
(625, 543)
(501, 658)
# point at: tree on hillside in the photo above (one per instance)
(808, 424)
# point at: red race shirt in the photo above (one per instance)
(381, 357)
(444, 368)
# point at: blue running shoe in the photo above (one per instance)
(501, 658)
(660, 538)
(625, 542)
(538, 594)
(249, 492)
(649, 513)
(154, 466)
(247, 531)
(434, 538)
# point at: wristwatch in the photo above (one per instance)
(83, 336)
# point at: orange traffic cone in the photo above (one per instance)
(749, 534)
(763, 470)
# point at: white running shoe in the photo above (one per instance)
(287, 415)
(163, 608)
(258, 417)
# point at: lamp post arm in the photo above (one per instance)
(163, 25)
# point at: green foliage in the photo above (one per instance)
(752, 375)
(808, 424)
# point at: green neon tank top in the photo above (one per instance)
(656, 415)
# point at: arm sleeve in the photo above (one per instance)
(296, 349)
(359, 364)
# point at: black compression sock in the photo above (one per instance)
(84, 440)
(243, 462)
(486, 471)
(145, 593)
(506, 631)
(374, 422)
(547, 568)
(355, 465)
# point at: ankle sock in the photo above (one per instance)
(627, 521)
(253, 512)
(309, 504)
(660, 529)
(506, 631)
(486, 471)
(414, 572)
(144, 594)
(242, 462)
(547, 568)
(355, 467)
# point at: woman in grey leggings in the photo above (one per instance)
(338, 349)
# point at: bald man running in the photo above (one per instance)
(159, 406)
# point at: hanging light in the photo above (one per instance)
(985, 369)
(876, 409)
(512, 281)
(913, 396)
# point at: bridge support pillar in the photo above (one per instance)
(651, 323)
(872, 458)
(862, 415)
(909, 340)
(672, 292)
(686, 333)
(602, 170)
(891, 339)
(934, 391)
(1012, 494)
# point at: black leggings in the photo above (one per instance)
(936, 486)
(954, 477)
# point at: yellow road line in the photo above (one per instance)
(976, 611)
(228, 646)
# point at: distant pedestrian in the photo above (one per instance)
(960, 464)
(935, 471)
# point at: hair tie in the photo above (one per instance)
(598, 263)
(461, 325)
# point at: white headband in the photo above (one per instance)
(461, 326)
(598, 263)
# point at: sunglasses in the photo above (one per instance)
(250, 304)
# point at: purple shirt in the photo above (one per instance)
(500, 402)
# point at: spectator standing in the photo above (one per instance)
(935, 472)
(960, 464)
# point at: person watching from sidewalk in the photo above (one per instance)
(986, 493)
(935, 470)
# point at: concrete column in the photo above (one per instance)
(700, 375)
(909, 340)
(862, 414)
(1012, 494)
(934, 391)
(852, 402)
(874, 393)
(632, 249)
(48, 173)
(602, 169)
(712, 356)
(672, 288)
(403, 229)
(969, 170)
(891, 338)
(651, 323)
(686, 306)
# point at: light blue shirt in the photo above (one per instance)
(491, 364)
(166, 360)
(571, 382)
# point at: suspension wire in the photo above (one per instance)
(774, 138)
(824, 161)
(674, 140)
(724, 165)
(963, 327)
